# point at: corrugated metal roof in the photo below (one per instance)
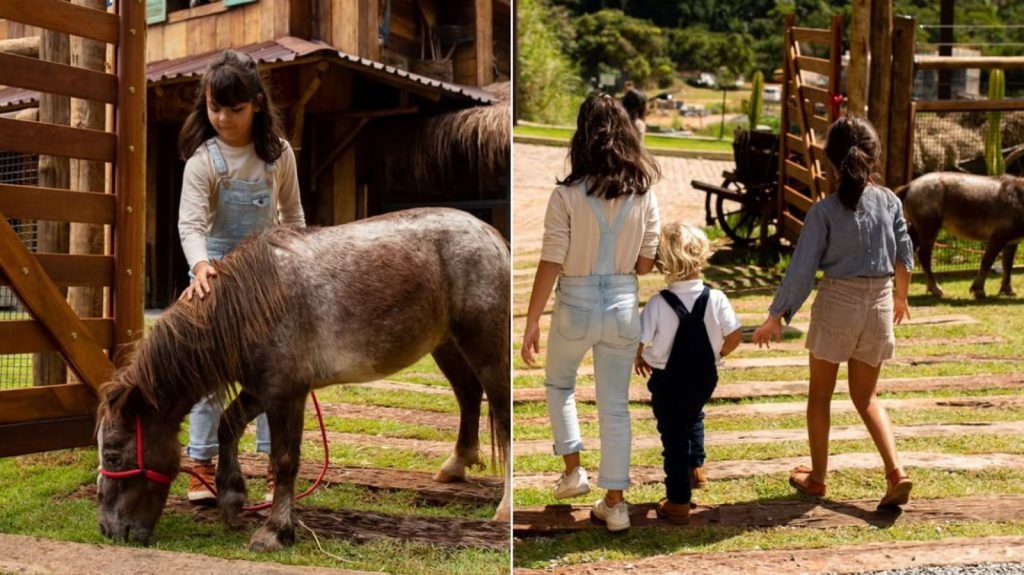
(285, 49)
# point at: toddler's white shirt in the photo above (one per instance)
(659, 322)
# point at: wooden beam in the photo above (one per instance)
(880, 84)
(28, 46)
(50, 402)
(45, 138)
(35, 203)
(812, 36)
(130, 178)
(484, 42)
(946, 19)
(34, 74)
(969, 105)
(857, 74)
(969, 63)
(903, 41)
(62, 16)
(29, 336)
(37, 436)
(42, 298)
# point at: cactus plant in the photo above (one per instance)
(756, 97)
(994, 161)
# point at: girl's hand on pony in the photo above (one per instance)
(201, 284)
(769, 330)
(531, 342)
(900, 309)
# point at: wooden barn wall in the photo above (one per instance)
(216, 27)
(501, 30)
(9, 30)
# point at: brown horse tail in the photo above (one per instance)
(501, 425)
(901, 192)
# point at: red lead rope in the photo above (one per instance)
(166, 480)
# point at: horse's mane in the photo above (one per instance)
(201, 346)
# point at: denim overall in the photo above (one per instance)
(679, 392)
(243, 207)
(598, 312)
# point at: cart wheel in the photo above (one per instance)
(741, 220)
(729, 184)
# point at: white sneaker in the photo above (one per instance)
(572, 484)
(615, 518)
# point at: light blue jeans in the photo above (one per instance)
(598, 312)
(202, 430)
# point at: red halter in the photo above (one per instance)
(149, 474)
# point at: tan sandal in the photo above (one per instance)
(800, 478)
(897, 493)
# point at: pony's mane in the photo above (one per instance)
(201, 346)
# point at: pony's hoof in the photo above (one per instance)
(503, 515)
(978, 293)
(230, 506)
(445, 476)
(1008, 292)
(936, 291)
(268, 540)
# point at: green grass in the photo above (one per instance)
(652, 141)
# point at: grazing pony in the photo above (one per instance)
(295, 310)
(980, 208)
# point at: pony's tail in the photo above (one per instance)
(499, 417)
(901, 192)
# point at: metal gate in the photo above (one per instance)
(41, 418)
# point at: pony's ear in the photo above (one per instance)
(116, 398)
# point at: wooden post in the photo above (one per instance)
(130, 177)
(857, 73)
(484, 42)
(369, 19)
(48, 368)
(787, 78)
(946, 21)
(87, 301)
(879, 86)
(900, 128)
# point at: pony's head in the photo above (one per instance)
(139, 456)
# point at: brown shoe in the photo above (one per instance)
(698, 479)
(897, 493)
(801, 479)
(198, 493)
(678, 513)
(270, 483)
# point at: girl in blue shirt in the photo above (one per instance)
(858, 237)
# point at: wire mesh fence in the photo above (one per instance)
(955, 142)
(16, 168)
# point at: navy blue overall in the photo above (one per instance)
(679, 392)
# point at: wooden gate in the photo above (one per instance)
(811, 102)
(59, 416)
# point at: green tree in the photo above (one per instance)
(549, 84)
(609, 40)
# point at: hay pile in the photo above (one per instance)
(941, 143)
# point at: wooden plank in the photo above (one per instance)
(34, 203)
(819, 124)
(969, 105)
(784, 128)
(282, 16)
(29, 336)
(796, 199)
(47, 402)
(817, 95)
(799, 172)
(969, 62)
(267, 20)
(812, 64)
(812, 36)
(175, 38)
(880, 80)
(54, 140)
(857, 75)
(63, 17)
(485, 42)
(37, 436)
(818, 153)
(791, 227)
(78, 270)
(252, 23)
(42, 298)
(34, 74)
(155, 43)
(903, 38)
(795, 143)
(129, 180)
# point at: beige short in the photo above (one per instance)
(852, 319)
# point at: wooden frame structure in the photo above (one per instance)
(802, 180)
(61, 416)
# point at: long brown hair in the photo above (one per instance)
(852, 146)
(233, 78)
(607, 147)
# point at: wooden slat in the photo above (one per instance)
(819, 124)
(796, 199)
(969, 62)
(53, 78)
(29, 336)
(795, 143)
(63, 17)
(47, 402)
(799, 172)
(791, 227)
(969, 105)
(46, 303)
(813, 36)
(129, 180)
(36, 436)
(34, 203)
(41, 138)
(812, 64)
(818, 153)
(75, 270)
(822, 185)
(817, 95)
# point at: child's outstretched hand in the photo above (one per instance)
(201, 285)
(641, 366)
(900, 309)
(769, 330)
(531, 342)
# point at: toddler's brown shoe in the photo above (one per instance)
(674, 512)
